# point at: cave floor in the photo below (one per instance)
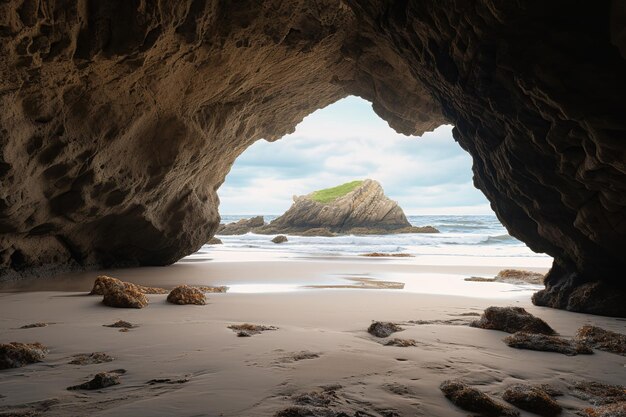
(203, 369)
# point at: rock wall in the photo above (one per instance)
(120, 119)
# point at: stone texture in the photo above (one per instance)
(471, 399)
(100, 380)
(532, 398)
(120, 120)
(185, 294)
(546, 343)
(511, 320)
(16, 355)
(119, 294)
(602, 339)
(383, 328)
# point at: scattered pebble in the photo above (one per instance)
(471, 399)
(383, 329)
(545, 343)
(91, 358)
(185, 294)
(512, 320)
(16, 355)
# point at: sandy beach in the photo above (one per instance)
(202, 368)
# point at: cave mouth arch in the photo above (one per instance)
(120, 122)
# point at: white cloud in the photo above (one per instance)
(346, 141)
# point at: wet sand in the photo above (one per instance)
(321, 340)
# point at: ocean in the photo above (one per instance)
(480, 236)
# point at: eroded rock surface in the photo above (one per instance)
(532, 398)
(383, 328)
(602, 339)
(471, 399)
(185, 294)
(16, 355)
(546, 343)
(511, 320)
(120, 120)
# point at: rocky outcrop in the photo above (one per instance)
(121, 119)
(512, 320)
(280, 239)
(547, 343)
(471, 399)
(242, 226)
(361, 208)
(118, 293)
(532, 398)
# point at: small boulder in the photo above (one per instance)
(215, 241)
(99, 381)
(471, 399)
(35, 325)
(601, 339)
(532, 398)
(118, 293)
(280, 239)
(545, 343)
(16, 355)
(383, 329)
(185, 294)
(121, 324)
(511, 320)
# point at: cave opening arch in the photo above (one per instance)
(120, 123)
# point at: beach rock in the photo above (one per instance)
(103, 282)
(242, 226)
(280, 239)
(185, 294)
(34, 325)
(480, 279)
(400, 342)
(90, 358)
(247, 329)
(546, 343)
(211, 289)
(383, 328)
(387, 255)
(107, 161)
(601, 339)
(100, 380)
(121, 324)
(609, 410)
(121, 294)
(598, 393)
(16, 355)
(359, 207)
(471, 399)
(215, 241)
(511, 320)
(516, 276)
(532, 398)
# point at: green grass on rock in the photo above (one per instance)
(330, 194)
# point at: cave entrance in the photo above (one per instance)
(430, 177)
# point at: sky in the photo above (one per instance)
(347, 141)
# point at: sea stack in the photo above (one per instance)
(357, 207)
